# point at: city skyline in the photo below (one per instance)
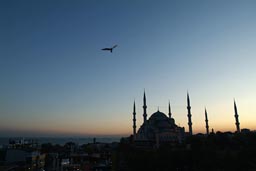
(56, 80)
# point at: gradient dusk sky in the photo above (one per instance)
(56, 80)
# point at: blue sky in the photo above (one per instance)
(55, 80)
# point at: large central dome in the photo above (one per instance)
(158, 116)
(160, 126)
(160, 122)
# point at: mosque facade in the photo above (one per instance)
(158, 129)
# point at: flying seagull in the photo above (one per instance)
(110, 49)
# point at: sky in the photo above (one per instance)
(56, 80)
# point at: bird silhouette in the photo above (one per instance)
(110, 49)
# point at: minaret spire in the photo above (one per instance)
(189, 115)
(144, 108)
(134, 120)
(206, 122)
(170, 113)
(236, 117)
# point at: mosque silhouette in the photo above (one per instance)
(161, 129)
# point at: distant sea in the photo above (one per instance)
(64, 140)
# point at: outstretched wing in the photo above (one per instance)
(114, 46)
(106, 49)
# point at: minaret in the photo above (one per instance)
(170, 113)
(206, 122)
(189, 116)
(236, 117)
(134, 120)
(144, 108)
